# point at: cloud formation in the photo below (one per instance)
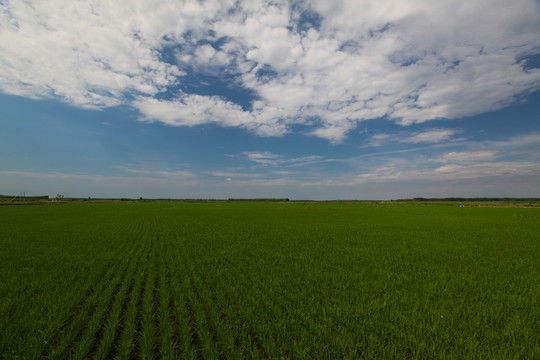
(267, 158)
(507, 167)
(467, 156)
(428, 136)
(324, 65)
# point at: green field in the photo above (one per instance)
(148, 280)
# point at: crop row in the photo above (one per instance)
(266, 281)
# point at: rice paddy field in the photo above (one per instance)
(159, 280)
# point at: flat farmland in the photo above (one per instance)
(167, 280)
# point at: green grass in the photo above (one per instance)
(269, 280)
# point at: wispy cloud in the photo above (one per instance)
(268, 158)
(235, 175)
(102, 184)
(180, 175)
(165, 173)
(133, 170)
(462, 156)
(429, 136)
(521, 141)
(446, 173)
(264, 158)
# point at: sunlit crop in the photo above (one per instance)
(239, 280)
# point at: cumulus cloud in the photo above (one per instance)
(87, 54)
(320, 64)
(192, 109)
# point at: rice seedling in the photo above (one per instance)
(269, 280)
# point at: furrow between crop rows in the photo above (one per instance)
(195, 330)
(221, 331)
(245, 343)
(156, 305)
(127, 343)
(108, 332)
(112, 351)
(79, 311)
(176, 338)
(96, 324)
(204, 328)
(188, 340)
(146, 343)
(191, 341)
(169, 348)
(233, 314)
(135, 342)
(74, 331)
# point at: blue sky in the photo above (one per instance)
(298, 99)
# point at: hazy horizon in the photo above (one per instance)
(281, 99)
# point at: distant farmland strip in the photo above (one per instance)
(273, 280)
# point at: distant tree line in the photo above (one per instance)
(470, 199)
(261, 200)
(15, 197)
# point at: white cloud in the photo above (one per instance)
(88, 54)
(264, 158)
(334, 133)
(452, 168)
(230, 175)
(446, 173)
(517, 141)
(409, 61)
(267, 158)
(177, 175)
(158, 173)
(484, 155)
(430, 136)
(190, 110)
(380, 139)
